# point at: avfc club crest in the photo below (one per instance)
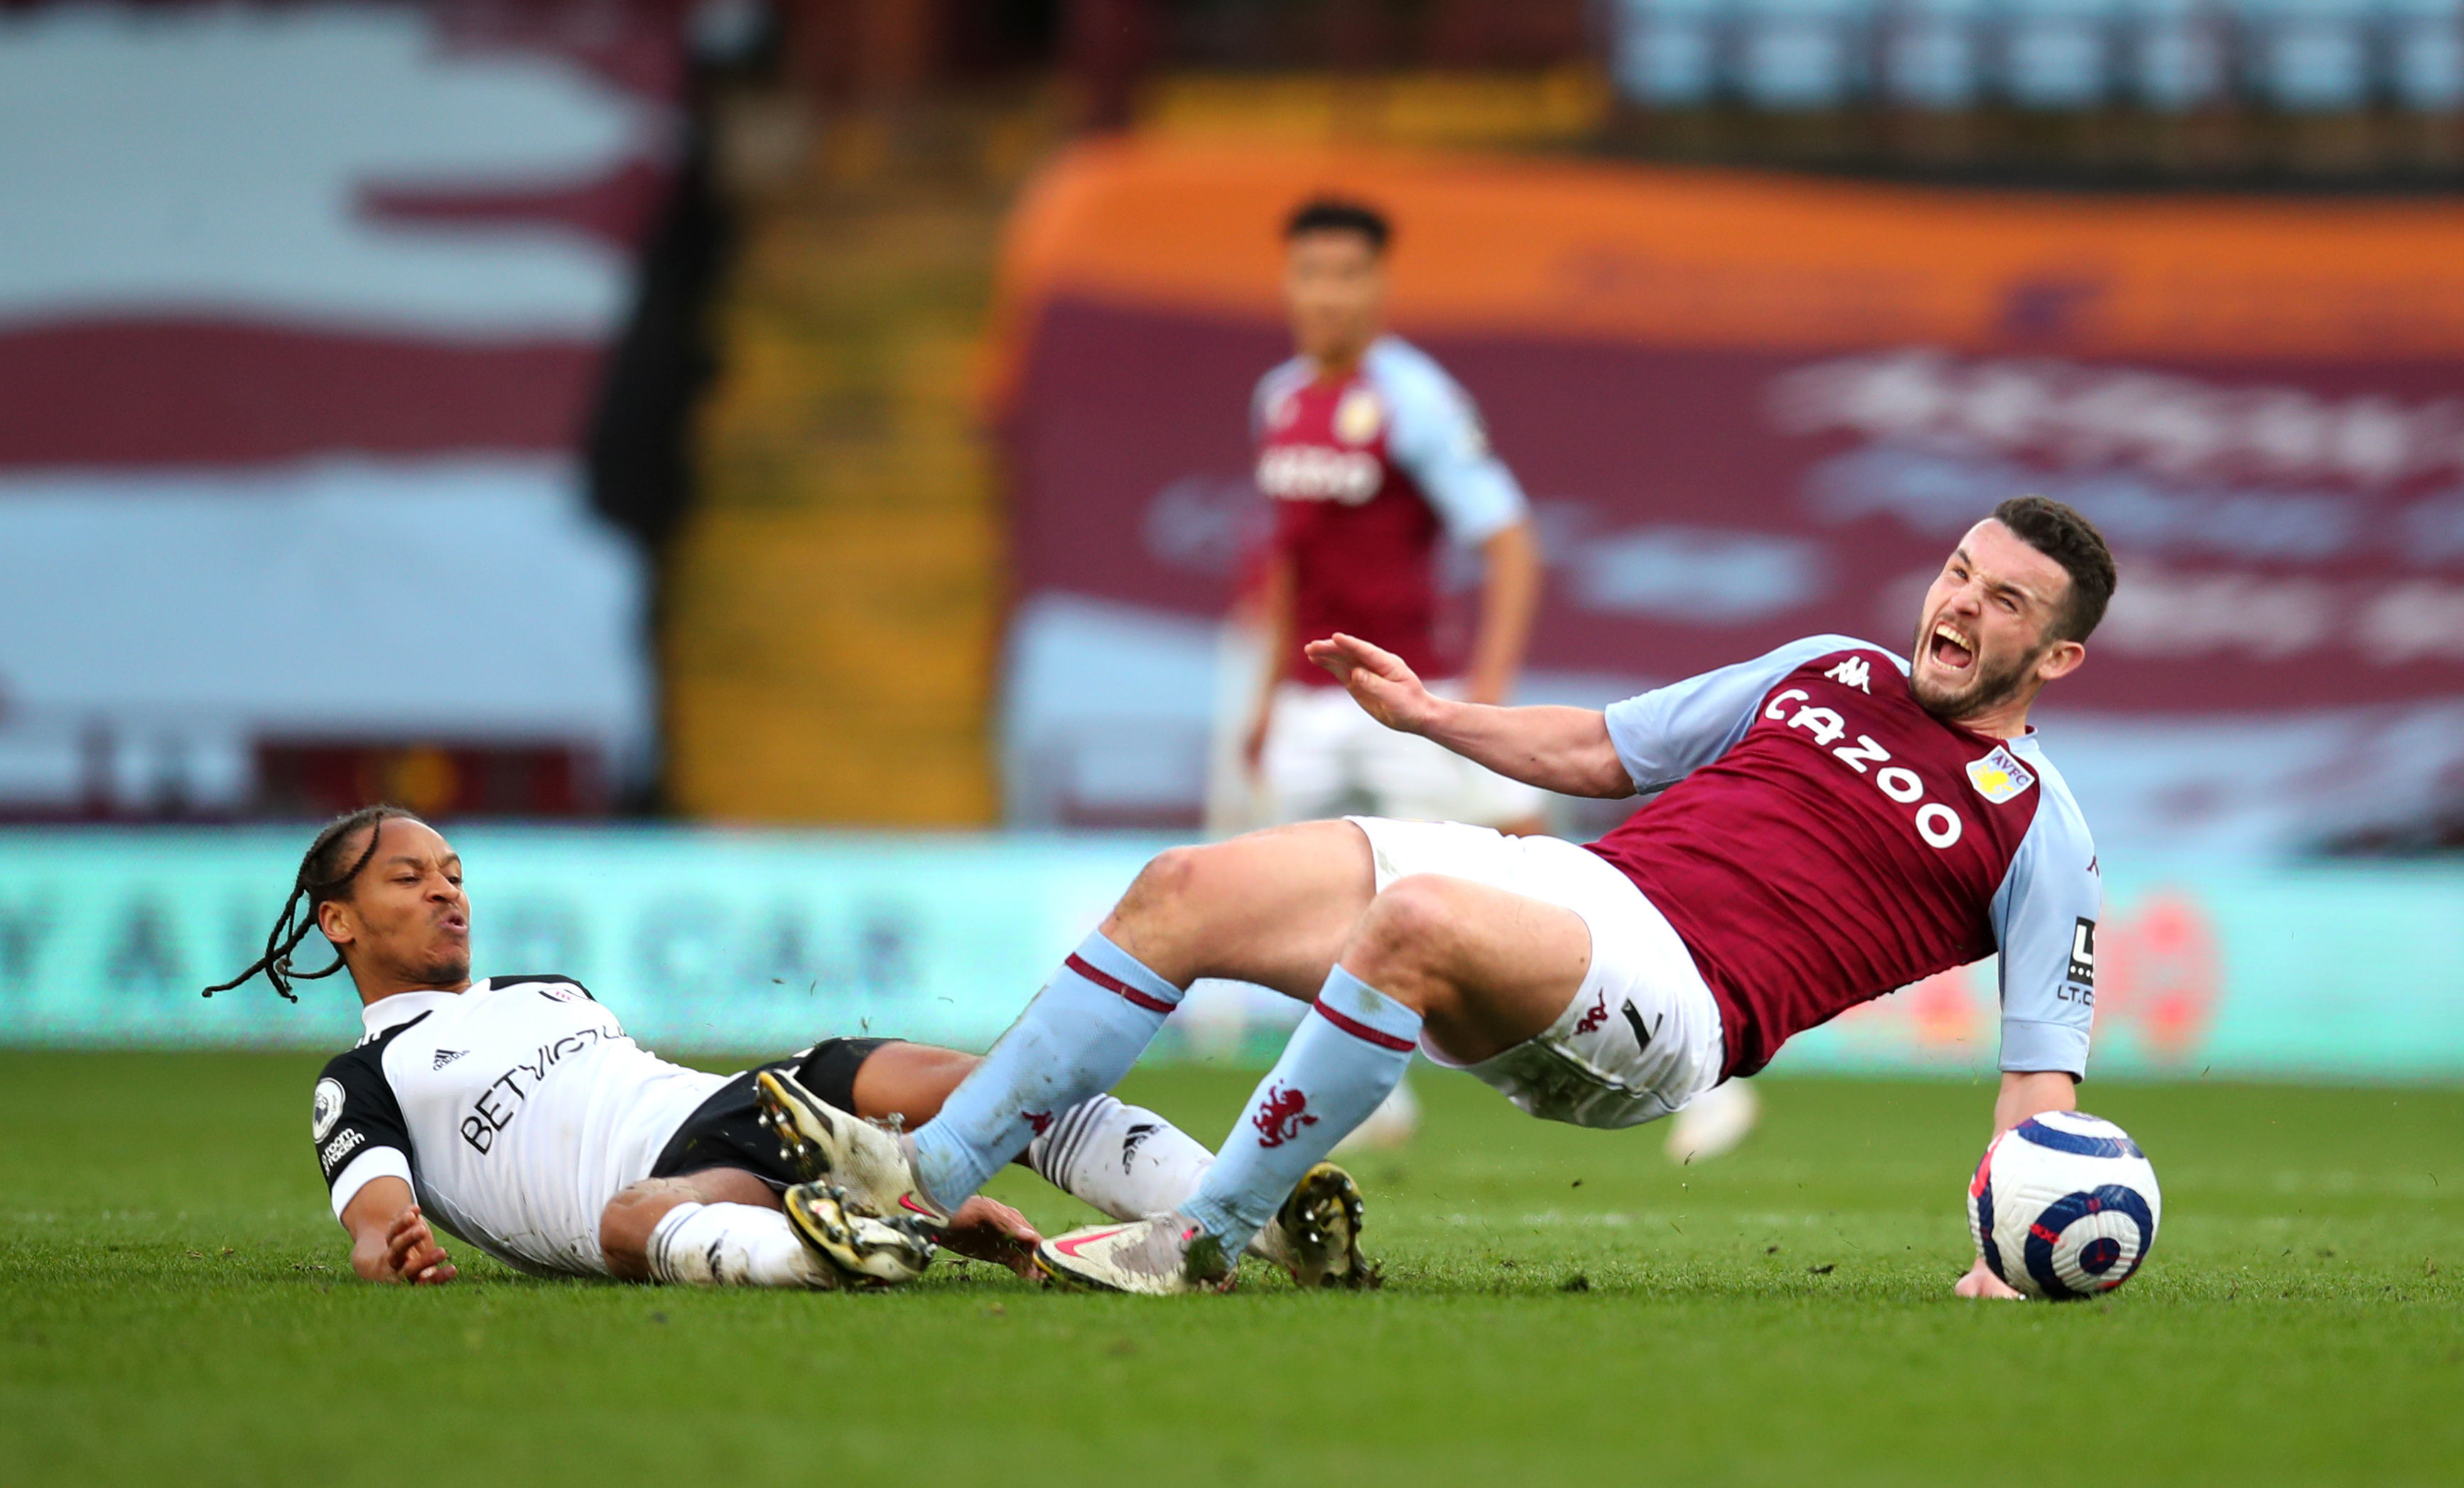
(1358, 417)
(1999, 776)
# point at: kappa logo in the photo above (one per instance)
(1594, 1015)
(1281, 1116)
(445, 1057)
(1854, 672)
(1999, 776)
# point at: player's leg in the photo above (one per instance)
(1270, 908)
(1124, 1160)
(1478, 969)
(724, 1227)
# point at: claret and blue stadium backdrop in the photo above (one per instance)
(747, 942)
(1750, 407)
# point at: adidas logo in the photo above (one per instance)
(445, 1057)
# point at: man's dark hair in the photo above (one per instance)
(321, 877)
(1335, 215)
(2070, 539)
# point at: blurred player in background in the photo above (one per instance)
(1371, 454)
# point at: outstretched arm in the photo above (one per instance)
(1558, 749)
(2024, 1093)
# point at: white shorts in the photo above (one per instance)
(1642, 1037)
(1324, 755)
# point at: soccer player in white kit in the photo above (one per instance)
(1831, 821)
(517, 1114)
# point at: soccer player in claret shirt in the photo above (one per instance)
(1371, 453)
(1832, 821)
(514, 1113)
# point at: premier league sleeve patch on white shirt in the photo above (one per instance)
(1999, 776)
(327, 1111)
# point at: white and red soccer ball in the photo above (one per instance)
(2064, 1205)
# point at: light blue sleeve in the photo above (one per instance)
(2044, 921)
(1667, 732)
(1434, 433)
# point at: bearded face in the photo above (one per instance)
(1987, 623)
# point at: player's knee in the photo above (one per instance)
(1407, 931)
(626, 1224)
(1162, 892)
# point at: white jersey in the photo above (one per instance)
(515, 1110)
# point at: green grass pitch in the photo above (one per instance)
(1561, 1306)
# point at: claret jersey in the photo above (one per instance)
(1365, 473)
(1819, 840)
(515, 1110)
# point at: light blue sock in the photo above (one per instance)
(1077, 1038)
(1347, 1055)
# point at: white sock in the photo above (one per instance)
(1125, 1160)
(733, 1245)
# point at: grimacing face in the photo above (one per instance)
(1334, 286)
(404, 920)
(1984, 635)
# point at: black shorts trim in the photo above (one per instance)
(724, 1131)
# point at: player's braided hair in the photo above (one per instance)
(320, 878)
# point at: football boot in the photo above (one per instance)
(825, 1144)
(864, 1249)
(1315, 1237)
(1161, 1255)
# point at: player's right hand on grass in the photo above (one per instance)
(412, 1254)
(1377, 679)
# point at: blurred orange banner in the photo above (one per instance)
(1707, 257)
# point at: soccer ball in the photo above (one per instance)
(2064, 1205)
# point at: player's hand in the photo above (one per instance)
(1983, 1282)
(412, 1254)
(1377, 679)
(984, 1230)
